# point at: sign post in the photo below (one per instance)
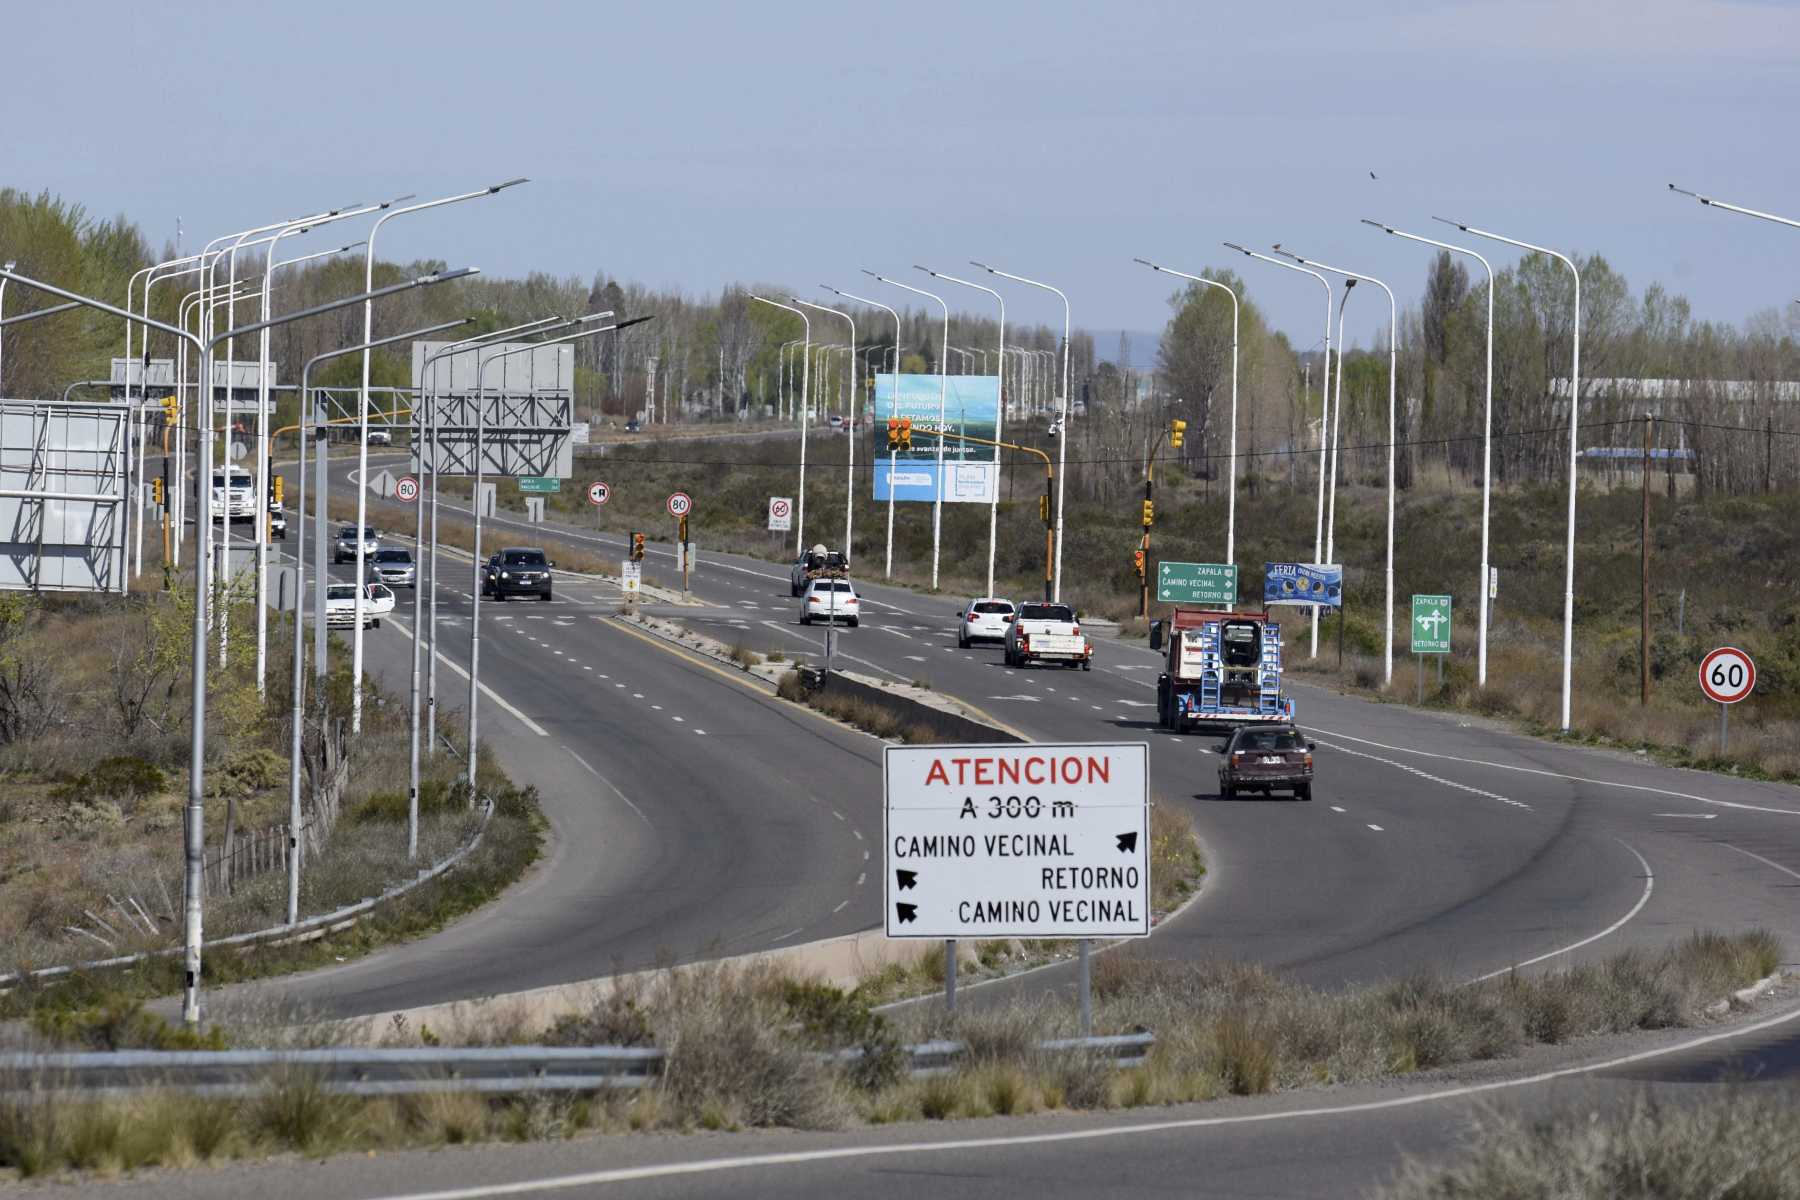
(1727, 675)
(781, 514)
(1196, 583)
(1026, 841)
(680, 504)
(1430, 634)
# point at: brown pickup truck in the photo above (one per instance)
(1265, 759)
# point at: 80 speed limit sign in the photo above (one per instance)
(1727, 675)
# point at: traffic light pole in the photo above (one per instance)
(1044, 508)
(1176, 430)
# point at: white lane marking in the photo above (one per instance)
(860, 878)
(841, 906)
(865, 856)
(656, 708)
(683, 720)
(1630, 787)
(1425, 775)
(1376, 828)
(609, 783)
(790, 933)
(937, 1149)
(487, 691)
(1649, 886)
(1759, 858)
(858, 834)
(701, 732)
(1692, 816)
(589, 669)
(837, 814)
(1335, 808)
(895, 632)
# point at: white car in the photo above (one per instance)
(1049, 633)
(985, 618)
(830, 600)
(340, 605)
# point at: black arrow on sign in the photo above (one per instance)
(1128, 842)
(906, 879)
(905, 912)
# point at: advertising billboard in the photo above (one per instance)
(1303, 583)
(971, 405)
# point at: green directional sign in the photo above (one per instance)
(1196, 583)
(1431, 624)
(539, 484)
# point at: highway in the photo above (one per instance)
(1432, 840)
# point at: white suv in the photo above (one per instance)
(830, 600)
(985, 618)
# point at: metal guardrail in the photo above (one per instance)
(312, 927)
(392, 1072)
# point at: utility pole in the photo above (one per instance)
(1644, 575)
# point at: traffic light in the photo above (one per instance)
(637, 547)
(171, 409)
(906, 433)
(276, 485)
(1149, 513)
(1177, 435)
(156, 492)
(1137, 561)
(893, 434)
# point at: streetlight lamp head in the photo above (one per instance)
(1235, 246)
(350, 247)
(982, 265)
(1456, 224)
(869, 273)
(11, 265)
(1378, 225)
(509, 183)
(593, 317)
(386, 204)
(447, 276)
(1349, 283)
(1147, 263)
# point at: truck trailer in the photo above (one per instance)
(1220, 669)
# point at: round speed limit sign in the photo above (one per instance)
(406, 489)
(680, 504)
(1727, 675)
(598, 492)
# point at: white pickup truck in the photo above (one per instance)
(1048, 633)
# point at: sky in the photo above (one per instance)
(691, 145)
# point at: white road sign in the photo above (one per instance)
(406, 489)
(1727, 675)
(1023, 840)
(382, 483)
(631, 577)
(598, 493)
(781, 514)
(680, 503)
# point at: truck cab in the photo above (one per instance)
(1220, 668)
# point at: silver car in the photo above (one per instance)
(393, 567)
(344, 549)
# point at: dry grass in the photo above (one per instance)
(1739, 1146)
(867, 715)
(742, 1043)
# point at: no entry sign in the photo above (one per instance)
(1017, 841)
(598, 493)
(1727, 675)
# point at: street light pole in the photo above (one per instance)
(362, 436)
(805, 400)
(193, 884)
(1062, 441)
(1325, 402)
(937, 491)
(999, 419)
(1487, 438)
(850, 469)
(888, 572)
(309, 436)
(1393, 450)
(431, 655)
(1568, 680)
(1231, 502)
(1712, 202)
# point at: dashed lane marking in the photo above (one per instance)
(1376, 828)
(609, 783)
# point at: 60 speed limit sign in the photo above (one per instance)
(1727, 675)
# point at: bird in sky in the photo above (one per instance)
(1372, 175)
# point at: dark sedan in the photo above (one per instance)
(1265, 758)
(519, 571)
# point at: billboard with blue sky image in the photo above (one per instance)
(971, 405)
